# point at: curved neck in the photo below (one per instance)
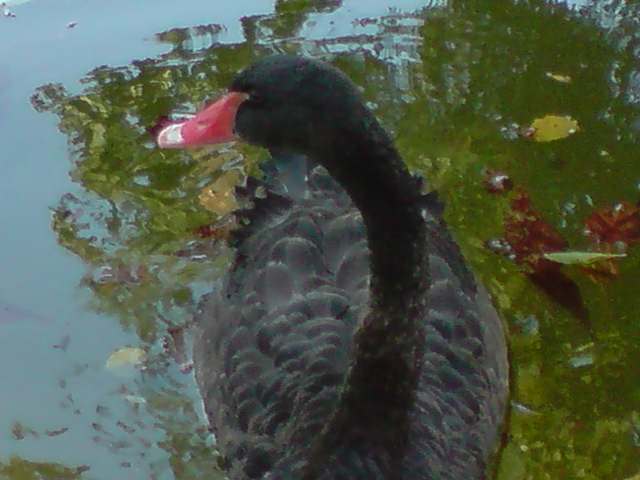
(379, 391)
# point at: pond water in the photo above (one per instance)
(107, 243)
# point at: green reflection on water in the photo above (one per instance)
(455, 88)
(19, 469)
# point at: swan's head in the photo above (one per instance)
(280, 102)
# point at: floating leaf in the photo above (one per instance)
(581, 258)
(55, 433)
(125, 357)
(529, 236)
(580, 361)
(619, 223)
(553, 127)
(559, 77)
(135, 400)
(522, 408)
(219, 197)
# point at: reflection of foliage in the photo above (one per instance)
(138, 222)
(20, 469)
(291, 13)
(454, 87)
(587, 451)
(183, 38)
(485, 68)
(144, 205)
(187, 442)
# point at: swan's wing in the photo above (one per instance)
(274, 341)
(462, 394)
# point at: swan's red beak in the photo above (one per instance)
(212, 125)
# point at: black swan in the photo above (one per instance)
(349, 340)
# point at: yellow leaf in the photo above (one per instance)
(125, 357)
(553, 127)
(558, 77)
(219, 197)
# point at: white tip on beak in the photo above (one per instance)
(171, 136)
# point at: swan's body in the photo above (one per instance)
(345, 343)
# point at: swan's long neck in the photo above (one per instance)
(387, 354)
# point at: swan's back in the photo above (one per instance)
(274, 343)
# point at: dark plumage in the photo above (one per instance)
(348, 340)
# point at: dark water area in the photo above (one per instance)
(107, 243)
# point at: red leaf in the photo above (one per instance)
(219, 231)
(530, 236)
(619, 223)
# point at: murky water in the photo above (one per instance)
(106, 243)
